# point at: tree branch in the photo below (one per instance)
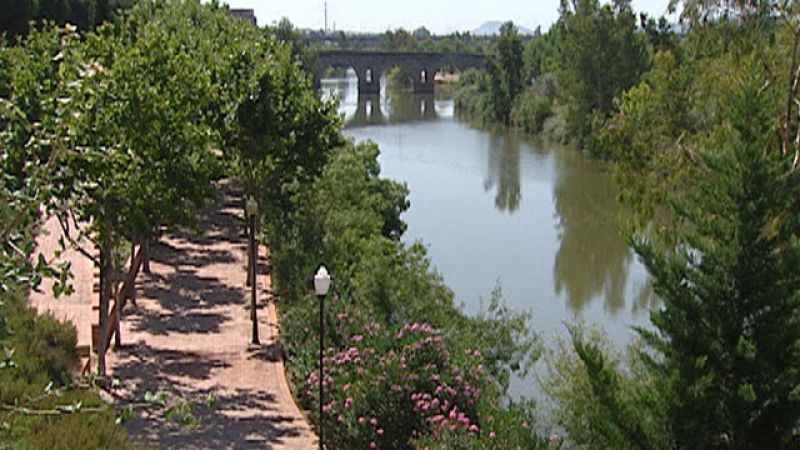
(794, 76)
(58, 411)
(74, 244)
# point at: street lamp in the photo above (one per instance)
(251, 208)
(322, 282)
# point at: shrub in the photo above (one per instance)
(472, 95)
(43, 351)
(38, 356)
(530, 111)
(400, 77)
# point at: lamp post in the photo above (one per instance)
(322, 282)
(251, 208)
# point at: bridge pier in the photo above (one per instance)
(423, 81)
(369, 80)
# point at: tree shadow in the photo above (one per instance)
(188, 301)
(177, 322)
(152, 369)
(168, 254)
(219, 226)
(222, 426)
(184, 289)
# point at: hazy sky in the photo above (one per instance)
(439, 16)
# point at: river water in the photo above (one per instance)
(496, 208)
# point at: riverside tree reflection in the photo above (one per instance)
(593, 260)
(503, 171)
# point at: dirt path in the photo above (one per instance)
(188, 336)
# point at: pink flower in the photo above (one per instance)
(492, 434)
(373, 445)
(379, 431)
(554, 438)
(362, 420)
(374, 422)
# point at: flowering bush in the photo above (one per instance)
(386, 388)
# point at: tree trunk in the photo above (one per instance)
(146, 257)
(131, 292)
(105, 295)
(248, 233)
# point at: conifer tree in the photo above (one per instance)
(726, 344)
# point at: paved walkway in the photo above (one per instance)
(188, 336)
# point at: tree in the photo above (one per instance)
(659, 33)
(728, 330)
(85, 14)
(400, 40)
(505, 70)
(286, 33)
(421, 34)
(775, 24)
(542, 54)
(602, 56)
(719, 369)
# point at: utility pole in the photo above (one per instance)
(326, 18)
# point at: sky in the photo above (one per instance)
(439, 16)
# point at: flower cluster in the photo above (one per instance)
(394, 385)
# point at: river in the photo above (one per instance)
(496, 208)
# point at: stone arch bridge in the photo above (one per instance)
(369, 66)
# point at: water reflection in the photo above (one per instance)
(593, 259)
(368, 112)
(542, 220)
(401, 107)
(503, 171)
(391, 106)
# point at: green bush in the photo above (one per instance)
(399, 77)
(37, 359)
(555, 128)
(530, 111)
(472, 96)
(44, 351)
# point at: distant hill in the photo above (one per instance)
(493, 27)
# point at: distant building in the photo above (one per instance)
(248, 15)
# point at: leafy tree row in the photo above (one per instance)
(116, 132)
(85, 14)
(590, 56)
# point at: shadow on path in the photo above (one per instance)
(187, 337)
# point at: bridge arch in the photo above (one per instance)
(369, 66)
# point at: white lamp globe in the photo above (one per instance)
(322, 281)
